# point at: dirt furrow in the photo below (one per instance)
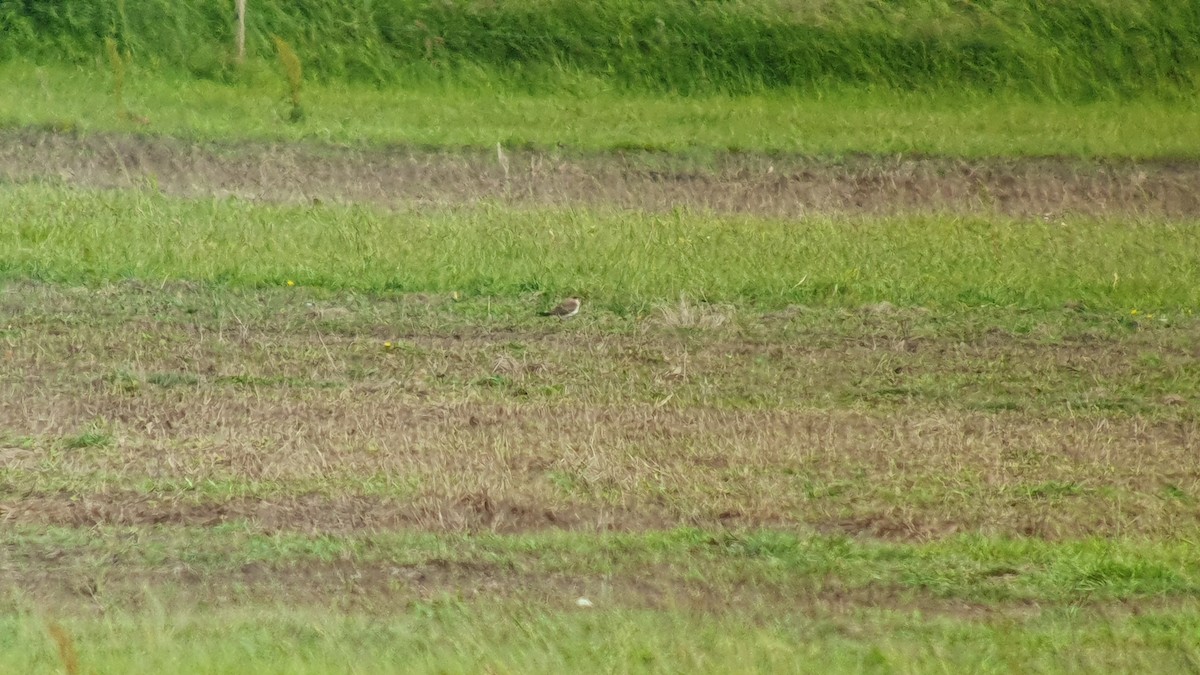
(777, 186)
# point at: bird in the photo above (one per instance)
(566, 310)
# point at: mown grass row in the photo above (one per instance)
(1081, 50)
(478, 115)
(624, 261)
(982, 570)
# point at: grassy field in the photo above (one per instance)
(1088, 79)
(593, 117)
(977, 453)
(199, 476)
(887, 360)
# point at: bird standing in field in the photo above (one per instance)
(568, 309)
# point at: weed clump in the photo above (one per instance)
(294, 74)
(116, 64)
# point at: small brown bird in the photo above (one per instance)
(568, 309)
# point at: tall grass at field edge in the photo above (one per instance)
(477, 113)
(1081, 50)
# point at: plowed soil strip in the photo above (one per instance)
(734, 183)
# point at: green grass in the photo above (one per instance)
(446, 637)
(88, 439)
(996, 605)
(1085, 49)
(595, 118)
(622, 261)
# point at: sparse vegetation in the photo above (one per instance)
(828, 456)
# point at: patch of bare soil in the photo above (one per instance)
(65, 579)
(731, 183)
(320, 514)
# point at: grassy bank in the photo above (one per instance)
(622, 261)
(1081, 50)
(594, 117)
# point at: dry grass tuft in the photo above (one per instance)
(688, 314)
(117, 64)
(66, 648)
(294, 74)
